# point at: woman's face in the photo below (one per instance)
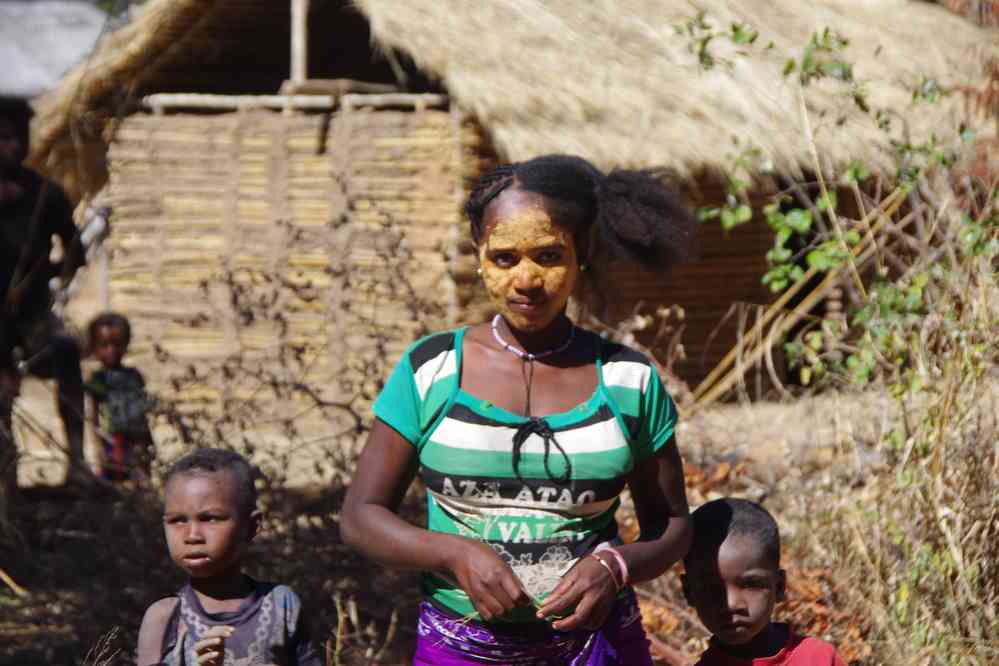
(528, 260)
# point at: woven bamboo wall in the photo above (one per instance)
(250, 232)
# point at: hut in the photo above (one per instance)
(216, 161)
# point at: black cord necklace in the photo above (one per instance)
(535, 425)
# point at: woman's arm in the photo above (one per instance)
(369, 522)
(660, 499)
(661, 505)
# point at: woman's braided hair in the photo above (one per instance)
(637, 216)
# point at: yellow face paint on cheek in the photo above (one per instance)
(529, 267)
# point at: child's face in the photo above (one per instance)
(207, 532)
(110, 346)
(736, 598)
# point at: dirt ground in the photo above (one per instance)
(90, 564)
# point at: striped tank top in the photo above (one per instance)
(542, 492)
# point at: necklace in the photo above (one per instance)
(526, 356)
(536, 425)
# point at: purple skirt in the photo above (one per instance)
(443, 640)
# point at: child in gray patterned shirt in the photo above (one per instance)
(221, 617)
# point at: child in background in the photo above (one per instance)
(221, 615)
(119, 395)
(733, 579)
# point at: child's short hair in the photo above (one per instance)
(220, 460)
(719, 519)
(109, 320)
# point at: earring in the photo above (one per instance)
(582, 268)
(479, 270)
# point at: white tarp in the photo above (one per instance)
(41, 39)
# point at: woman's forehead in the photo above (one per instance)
(526, 211)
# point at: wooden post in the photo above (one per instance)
(299, 40)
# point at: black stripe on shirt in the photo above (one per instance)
(430, 348)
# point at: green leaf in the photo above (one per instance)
(789, 66)
(856, 172)
(743, 34)
(708, 213)
(775, 218)
(778, 255)
(743, 214)
(799, 219)
(737, 186)
(827, 201)
(821, 259)
(838, 70)
(728, 219)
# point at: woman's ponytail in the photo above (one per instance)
(640, 219)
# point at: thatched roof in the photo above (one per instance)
(619, 81)
(41, 39)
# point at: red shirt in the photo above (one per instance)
(797, 651)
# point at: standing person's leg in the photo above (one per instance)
(69, 383)
(53, 354)
(8, 451)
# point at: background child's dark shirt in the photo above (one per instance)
(120, 396)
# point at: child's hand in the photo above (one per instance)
(211, 648)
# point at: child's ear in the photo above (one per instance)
(781, 585)
(255, 519)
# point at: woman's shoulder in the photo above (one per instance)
(431, 347)
(616, 352)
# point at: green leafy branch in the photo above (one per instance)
(701, 34)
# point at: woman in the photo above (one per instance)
(525, 430)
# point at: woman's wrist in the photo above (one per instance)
(451, 549)
(622, 565)
(616, 561)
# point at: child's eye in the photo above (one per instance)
(550, 257)
(754, 583)
(173, 520)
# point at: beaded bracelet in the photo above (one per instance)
(609, 570)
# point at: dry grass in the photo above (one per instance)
(648, 83)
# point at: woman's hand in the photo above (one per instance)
(211, 648)
(487, 580)
(588, 591)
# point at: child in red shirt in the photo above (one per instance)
(733, 579)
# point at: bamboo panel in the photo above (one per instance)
(251, 194)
